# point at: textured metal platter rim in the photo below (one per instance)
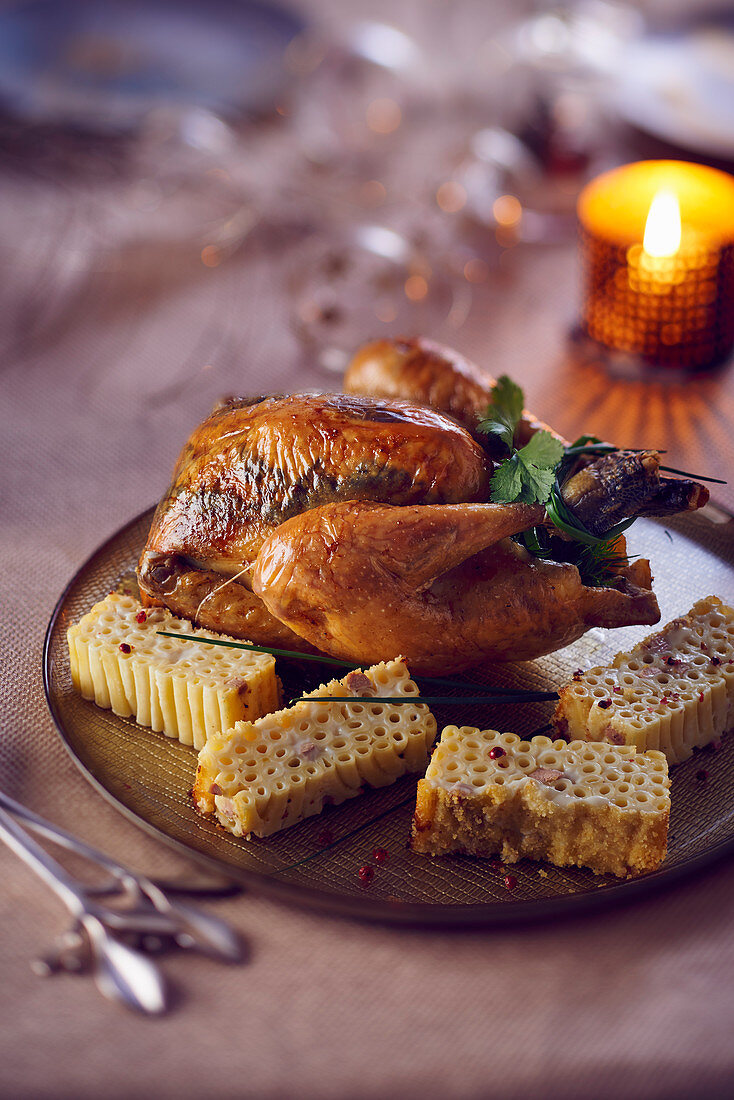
(364, 905)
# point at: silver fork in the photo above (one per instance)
(150, 917)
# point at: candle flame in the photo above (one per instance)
(662, 228)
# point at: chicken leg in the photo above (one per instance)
(442, 585)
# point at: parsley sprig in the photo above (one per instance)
(527, 475)
(536, 473)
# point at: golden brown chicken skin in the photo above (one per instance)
(421, 370)
(442, 585)
(250, 467)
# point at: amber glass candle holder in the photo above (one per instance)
(657, 249)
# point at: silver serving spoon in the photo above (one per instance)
(120, 972)
(123, 974)
(190, 927)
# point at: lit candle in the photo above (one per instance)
(658, 255)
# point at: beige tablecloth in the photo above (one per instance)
(104, 372)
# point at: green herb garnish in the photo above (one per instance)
(504, 411)
(526, 476)
(433, 700)
(597, 564)
(535, 473)
(489, 692)
(296, 655)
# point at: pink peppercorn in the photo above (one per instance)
(366, 874)
(510, 882)
(125, 648)
(141, 617)
(496, 752)
(380, 855)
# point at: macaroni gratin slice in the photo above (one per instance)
(673, 692)
(587, 805)
(183, 689)
(266, 775)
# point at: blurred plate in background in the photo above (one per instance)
(104, 65)
(679, 86)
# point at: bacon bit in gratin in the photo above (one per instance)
(360, 684)
(238, 685)
(547, 775)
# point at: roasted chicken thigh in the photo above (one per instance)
(443, 585)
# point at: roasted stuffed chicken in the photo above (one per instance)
(362, 526)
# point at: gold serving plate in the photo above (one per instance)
(316, 862)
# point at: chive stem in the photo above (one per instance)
(231, 644)
(693, 477)
(487, 689)
(258, 648)
(516, 697)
